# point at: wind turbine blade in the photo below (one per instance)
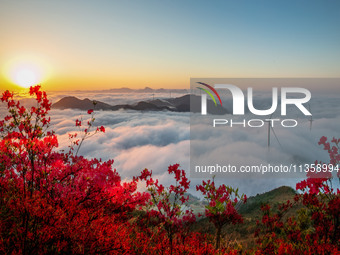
(268, 141)
(277, 139)
(311, 118)
(268, 137)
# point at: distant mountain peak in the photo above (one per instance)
(148, 89)
(81, 104)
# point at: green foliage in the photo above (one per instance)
(274, 197)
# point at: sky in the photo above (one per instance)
(88, 45)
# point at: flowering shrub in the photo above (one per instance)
(56, 202)
(221, 209)
(53, 202)
(316, 230)
(85, 131)
(167, 205)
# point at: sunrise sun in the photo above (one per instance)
(26, 70)
(26, 77)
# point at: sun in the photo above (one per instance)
(26, 77)
(26, 70)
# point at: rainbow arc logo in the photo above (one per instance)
(209, 93)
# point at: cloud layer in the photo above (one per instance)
(154, 140)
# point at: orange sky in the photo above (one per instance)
(85, 45)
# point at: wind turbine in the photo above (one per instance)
(271, 129)
(310, 119)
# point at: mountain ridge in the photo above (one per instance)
(184, 103)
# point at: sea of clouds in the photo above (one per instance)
(154, 140)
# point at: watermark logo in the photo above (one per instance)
(239, 99)
(255, 127)
(204, 96)
(301, 97)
